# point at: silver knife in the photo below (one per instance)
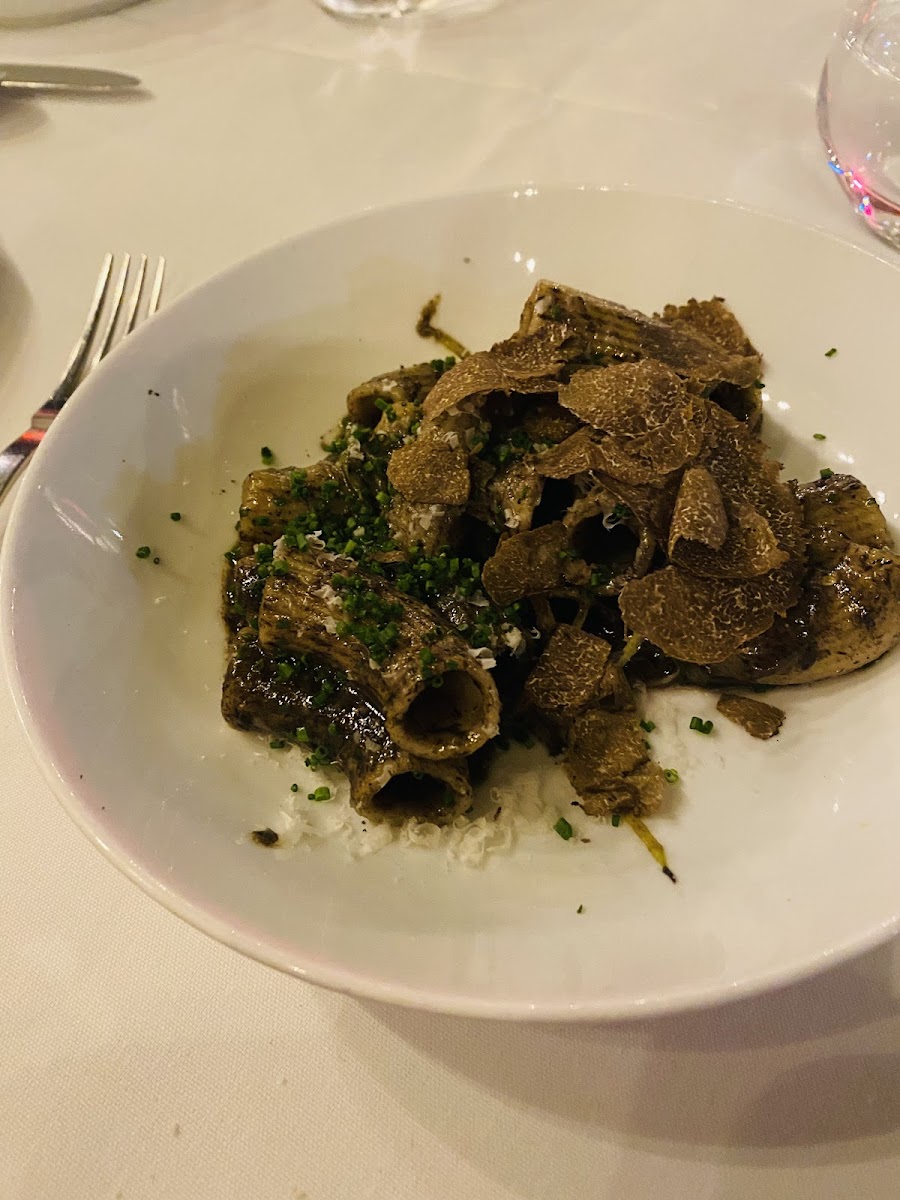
(31, 78)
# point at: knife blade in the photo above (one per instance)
(42, 78)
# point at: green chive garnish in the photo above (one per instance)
(321, 793)
(295, 787)
(277, 744)
(301, 735)
(143, 552)
(831, 353)
(616, 818)
(564, 829)
(826, 473)
(580, 908)
(266, 455)
(648, 726)
(670, 775)
(701, 726)
(820, 437)
(175, 516)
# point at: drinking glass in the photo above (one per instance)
(367, 10)
(859, 112)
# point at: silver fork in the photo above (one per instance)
(112, 316)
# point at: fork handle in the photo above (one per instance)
(16, 455)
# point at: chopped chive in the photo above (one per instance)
(564, 829)
(301, 735)
(277, 744)
(831, 353)
(175, 516)
(648, 726)
(826, 473)
(616, 818)
(295, 787)
(701, 726)
(266, 455)
(321, 793)
(820, 437)
(157, 561)
(758, 384)
(285, 671)
(670, 775)
(580, 908)
(143, 552)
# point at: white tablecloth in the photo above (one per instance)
(139, 1059)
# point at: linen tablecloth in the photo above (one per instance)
(139, 1059)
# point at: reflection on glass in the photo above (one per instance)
(859, 113)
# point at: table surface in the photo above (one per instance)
(139, 1059)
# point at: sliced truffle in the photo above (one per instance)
(579, 452)
(569, 673)
(519, 365)
(655, 425)
(745, 475)
(428, 471)
(526, 564)
(547, 422)
(750, 548)
(626, 400)
(715, 320)
(699, 511)
(703, 620)
(608, 764)
(760, 720)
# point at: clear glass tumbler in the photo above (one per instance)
(369, 10)
(859, 112)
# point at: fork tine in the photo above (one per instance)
(115, 305)
(156, 290)
(131, 311)
(82, 346)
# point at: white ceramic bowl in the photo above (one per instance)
(785, 851)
